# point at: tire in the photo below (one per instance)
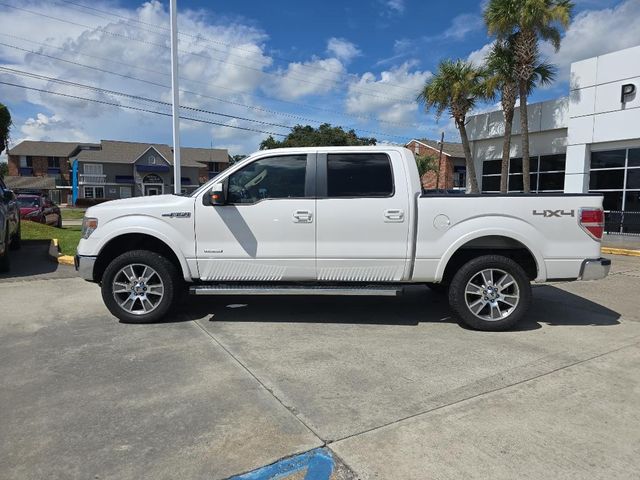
(438, 288)
(16, 241)
(4, 258)
(139, 301)
(491, 308)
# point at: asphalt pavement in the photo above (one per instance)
(390, 388)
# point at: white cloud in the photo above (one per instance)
(378, 96)
(342, 49)
(395, 6)
(51, 128)
(462, 25)
(596, 32)
(477, 56)
(314, 77)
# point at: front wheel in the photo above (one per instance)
(139, 286)
(490, 293)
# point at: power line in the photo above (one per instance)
(194, 119)
(200, 38)
(383, 134)
(262, 72)
(137, 97)
(256, 95)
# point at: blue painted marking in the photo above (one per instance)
(74, 182)
(318, 462)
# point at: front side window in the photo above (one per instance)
(273, 177)
(359, 175)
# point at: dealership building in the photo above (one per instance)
(586, 142)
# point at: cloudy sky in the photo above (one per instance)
(256, 66)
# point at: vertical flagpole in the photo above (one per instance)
(175, 108)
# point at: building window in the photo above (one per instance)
(26, 161)
(92, 168)
(93, 192)
(125, 192)
(53, 162)
(615, 174)
(546, 174)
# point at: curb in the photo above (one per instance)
(620, 251)
(54, 252)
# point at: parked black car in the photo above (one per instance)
(9, 225)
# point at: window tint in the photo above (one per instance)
(634, 157)
(491, 184)
(551, 181)
(359, 175)
(515, 165)
(549, 163)
(273, 177)
(633, 178)
(608, 159)
(606, 179)
(491, 166)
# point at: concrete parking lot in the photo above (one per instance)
(392, 387)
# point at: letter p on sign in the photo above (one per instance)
(628, 89)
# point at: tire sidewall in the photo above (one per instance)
(165, 269)
(472, 268)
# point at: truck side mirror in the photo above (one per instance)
(217, 195)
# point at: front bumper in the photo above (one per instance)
(595, 269)
(84, 266)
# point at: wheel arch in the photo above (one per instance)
(506, 243)
(127, 241)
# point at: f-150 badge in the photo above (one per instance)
(555, 213)
(177, 214)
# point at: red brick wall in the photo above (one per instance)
(14, 164)
(446, 167)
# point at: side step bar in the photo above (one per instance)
(365, 290)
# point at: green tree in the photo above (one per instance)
(427, 163)
(4, 169)
(236, 158)
(323, 136)
(5, 126)
(527, 22)
(455, 88)
(502, 79)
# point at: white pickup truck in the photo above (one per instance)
(338, 221)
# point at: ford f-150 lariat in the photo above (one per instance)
(338, 221)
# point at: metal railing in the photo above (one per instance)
(84, 178)
(618, 222)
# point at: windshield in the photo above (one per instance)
(29, 202)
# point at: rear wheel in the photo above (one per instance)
(139, 286)
(490, 293)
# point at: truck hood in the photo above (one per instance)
(155, 205)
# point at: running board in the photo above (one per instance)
(365, 290)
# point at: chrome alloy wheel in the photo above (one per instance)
(137, 288)
(492, 294)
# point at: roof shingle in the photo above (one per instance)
(452, 149)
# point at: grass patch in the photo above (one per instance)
(72, 213)
(68, 237)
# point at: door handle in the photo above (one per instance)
(394, 215)
(302, 216)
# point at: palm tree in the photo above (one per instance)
(527, 21)
(501, 76)
(455, 88)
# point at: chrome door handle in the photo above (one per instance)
(394, 215)
(302, 216)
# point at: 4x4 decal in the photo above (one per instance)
(555, 213)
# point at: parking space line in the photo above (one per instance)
(239, 362)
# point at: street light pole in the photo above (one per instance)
(175, 106)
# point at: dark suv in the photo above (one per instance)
(9, 225)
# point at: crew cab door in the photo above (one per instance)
(363, 217)
(266, 230)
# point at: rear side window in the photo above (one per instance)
(359, 175)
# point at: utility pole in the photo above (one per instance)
(175, 106)
(440, 164)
